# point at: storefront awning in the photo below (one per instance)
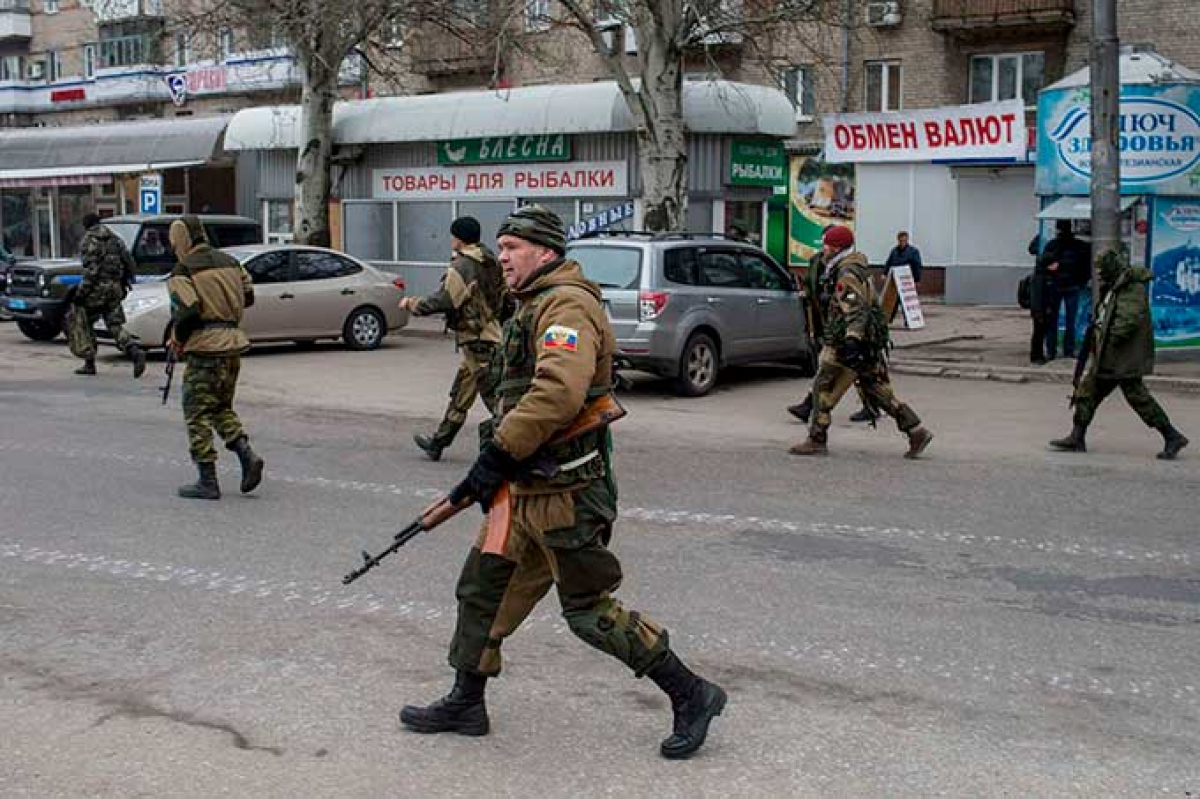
(84, 154)
(708, 107)
(1077, 208)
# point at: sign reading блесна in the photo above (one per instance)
(576, 179)
(504, 150)
(983, 130)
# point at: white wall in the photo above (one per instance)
(997, 216)
(919, 198)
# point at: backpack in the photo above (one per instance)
(1025, 292)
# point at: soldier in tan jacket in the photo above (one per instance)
(473, 298)
(556, 354)
(209, 292)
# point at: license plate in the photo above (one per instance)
(17, 305)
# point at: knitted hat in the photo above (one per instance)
(538, 224)
(466, 229)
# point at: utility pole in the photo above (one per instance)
(1106, 156)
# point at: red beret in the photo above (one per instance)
(839, 237)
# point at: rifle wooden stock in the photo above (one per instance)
(598, 413)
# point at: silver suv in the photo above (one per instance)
(685, 305)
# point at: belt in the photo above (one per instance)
(218, 326)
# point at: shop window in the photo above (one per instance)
(368, 231)
(74, 202)
(744, 220)
(89, 61)
(1007, 76)
(18, 221)
(883, 86)
(281, 220)
(798, 86)
(423, 231)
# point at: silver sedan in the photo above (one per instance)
(301, 293)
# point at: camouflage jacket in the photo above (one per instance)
(1124, 346)
(464, 296)
(108, 268)
(209, 292)
(854, 311)
(557, 354)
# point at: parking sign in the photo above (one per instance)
(150, 194)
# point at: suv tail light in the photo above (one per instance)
(400, 284)
(651, 304)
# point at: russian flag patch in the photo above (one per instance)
(561, 338)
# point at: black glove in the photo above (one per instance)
(854, 354)
(491, 469)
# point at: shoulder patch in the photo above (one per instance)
(560, 337)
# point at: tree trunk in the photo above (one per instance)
(662, 144)
(314, 180)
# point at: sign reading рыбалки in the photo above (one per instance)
(1159, 132)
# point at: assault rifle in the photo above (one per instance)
(597, 414)
(1081, 360)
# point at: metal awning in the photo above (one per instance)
(1078, 208)
(41, 156)
(708, 107)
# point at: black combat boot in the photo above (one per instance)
(1075, 442)
(918, 440)
(462, 710)
(204, 488)
(430, 446)
(1173, 441)
(863, 415)
(88, 368)
(802, 411)
(252, 464)
(694, 701)
(138, 356)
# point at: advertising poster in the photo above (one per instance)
(1175, 260)
(819, 195)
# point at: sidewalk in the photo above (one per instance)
(992, 343)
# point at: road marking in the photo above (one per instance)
(666, 516)
(837, 660)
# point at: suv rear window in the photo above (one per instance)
(233, 235)
(610, 267)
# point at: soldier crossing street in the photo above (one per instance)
(856, 340)
(557, 354)
(1119, 352)
(475, 301)
(209, 292)
(108, 274)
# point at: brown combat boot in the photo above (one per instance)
(918, 440)
(811, 446)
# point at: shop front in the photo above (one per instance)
(1160, 179)
(958, 180)
(407, 166)
(51, 177)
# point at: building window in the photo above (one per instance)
(537, 15)
(280, 216)
(1007, 76)
(53, 65)
(798, 86)
(183, 49)
(50, 6)
(89, 61)
(123, 51)
(883, 86)
(225, 44)
(12, 67)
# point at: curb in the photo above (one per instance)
(1014, 374)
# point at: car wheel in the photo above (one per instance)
(39, 331)
(698, 365)
(364, 329)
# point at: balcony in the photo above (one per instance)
(988, 19)
(440, 54)
(111, 11)
(14, 21)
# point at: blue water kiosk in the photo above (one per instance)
(1160, 178)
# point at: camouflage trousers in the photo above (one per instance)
(834, 379)
(81, 337)
(560, 540)
(470, 381)
(1095, 390)
(209, 383)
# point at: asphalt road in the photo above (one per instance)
(994, 620)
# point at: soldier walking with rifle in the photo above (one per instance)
(1118, 352)
(556, 363)
(209, 292)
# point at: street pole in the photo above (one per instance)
(1106, 156)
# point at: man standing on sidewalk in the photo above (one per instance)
(1121, 354)
(855, 348)
(1067, 263)
(904, 254)
(473, 298)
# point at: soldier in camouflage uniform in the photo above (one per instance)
(209, 292)
(855, 348)
(473, 298)
(108, 274)
(1120, 356)
(557, 353)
